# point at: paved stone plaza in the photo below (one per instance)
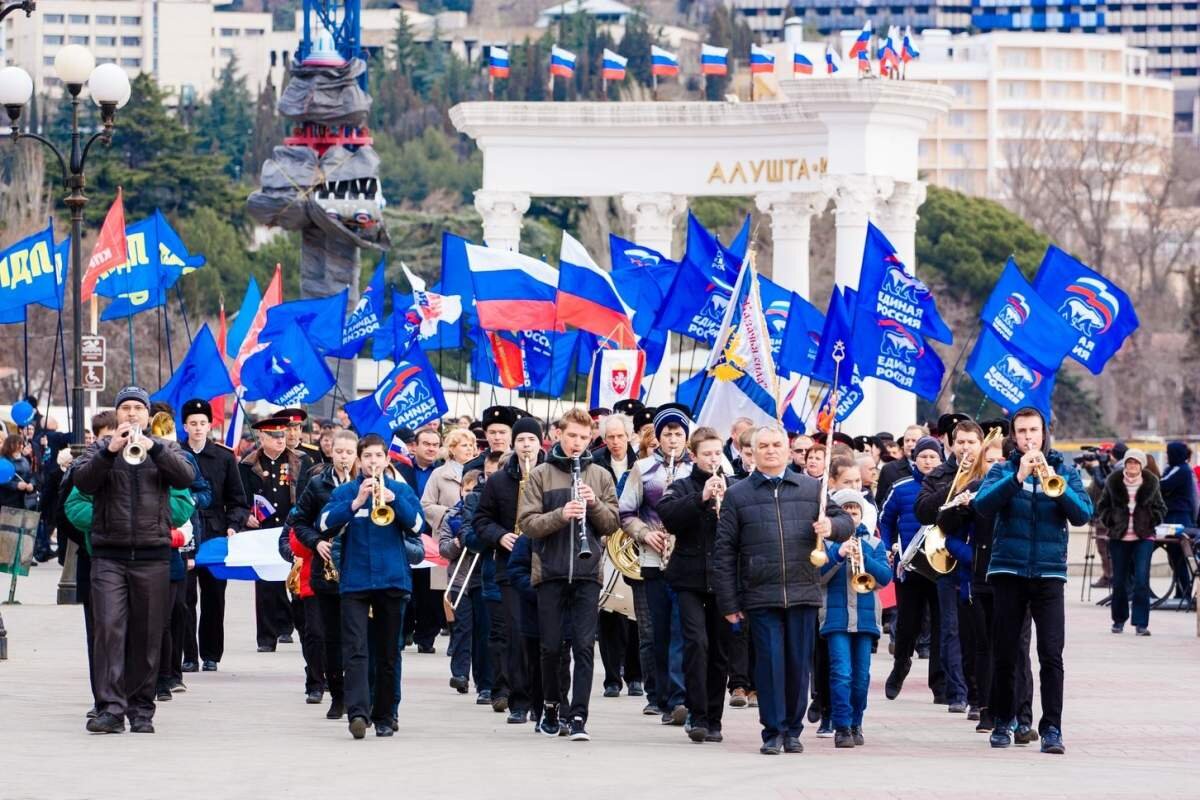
(1131, 722)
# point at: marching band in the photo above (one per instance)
(740, 567)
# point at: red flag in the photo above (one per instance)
(218, 403)
(110, 250)
(510, 364)
(272, 297)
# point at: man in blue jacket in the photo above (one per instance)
(375, 582)
(1029, 568)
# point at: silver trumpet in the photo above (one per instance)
(135, 452)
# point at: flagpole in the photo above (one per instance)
(167, 323)
(94, 396)
(954, 369)
(653, 84)
(183, 312)
(25, 338)
(132, 362)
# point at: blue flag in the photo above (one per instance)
(135, 302)
(30, 273)
(440, 317)
(201, 374)
(643, 278)
(288, 372)
(694, 390)
(366, 316)
(886, 289)
(456, 274)
(741, 243)
(398, 332)
(1031, 326)
(1006, 378)
(695, 304)
(548, 358)
(240, 326)
(887, 350)
(320, 318)
(10, 315)
(801, 337)
(839, 327)
(408, 397)
(157, 259)
(1099, 311)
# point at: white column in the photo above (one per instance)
(856, 198)
(897, 218)
(501, 212)
(654, 217)
(791, 218)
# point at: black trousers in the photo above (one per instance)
(516, 670)
(330, 608)
(967, 646)
(206, 617)
(704, 663)
(170, 660)
(129, 607)
(739, 650)
(1042, 599)
(983, 617)
(424, 617)
(497, 644)
(578, 602)
(916, 595)
(272, 612)
(83, 595)
(371, 621)
(618, 639)
(312, 641)
(531, 646)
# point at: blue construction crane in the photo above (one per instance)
(343, 20)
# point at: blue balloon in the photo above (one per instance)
(7, 470)
(22, 413)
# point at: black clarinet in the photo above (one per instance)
(579, 526)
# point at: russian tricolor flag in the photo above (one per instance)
(801, 65)
(614, 66)
(513, 292)
(862, 43)
(714, 60)
(249, 556)
(562, 62)
(833, 62)
(662, 63)
(908, 51)
(588, 299)
(889, 59)
(761, 60)
(498, 62)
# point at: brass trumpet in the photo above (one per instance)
(381, 513)
(1052, 483)
(135, 452)
(861, 581)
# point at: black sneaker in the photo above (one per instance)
(843, 738)
(714, 735)
(549, 724)
(315, 697)
(612, 691)
(188, 666)
(826, 729)
(1052, 742)
(336, 710)
(141, 726)
(266, 648)
(209, 666)
(1001, 735)
(459, 683)
(973, 713)
(162, 694)
(105, 722)
(986, 723)
(895, 680)
(1142, 631)
(635, 689)
(578, 732)
(358, 727)
(814, 712)
(1118, 627)
(92, 713)
(697, 732)
(426, 649)
(772, 746)
(516, 717)
(384, 729)
(856, 733)
(484, 698)
(791, 744)
(285, 639)
(176, 685)
(1025, 735)
(650, 710)
(958, 708)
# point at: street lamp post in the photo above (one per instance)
(28, 6)
(109, 86)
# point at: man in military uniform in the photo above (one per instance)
(271, 475)
(296, 440)
(498, 423)
(224, 516)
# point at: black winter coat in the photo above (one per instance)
(305, 519)
(229, 507)
(889, 473)
(966, 523)
(764, 540)
(497, 512)
(131, 517)
(693, 522)
(1148, 510)
(934, 490)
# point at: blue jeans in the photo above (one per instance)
(951, 645)
(783, 648)
(469, 640)
(667, 639)
(849, 676)
(1131, 564)
(675, 655)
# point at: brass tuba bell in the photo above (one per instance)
(624, 554)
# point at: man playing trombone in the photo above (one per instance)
(1033, 496)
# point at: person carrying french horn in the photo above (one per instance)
(380, 541)
(690, 508)
(851, 618)
(316, 545)
(1034, 496)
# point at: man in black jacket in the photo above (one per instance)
(770, 523)
(131, 550)
(224, 516)
(892, 471)
(495, 523)
(690, 509)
